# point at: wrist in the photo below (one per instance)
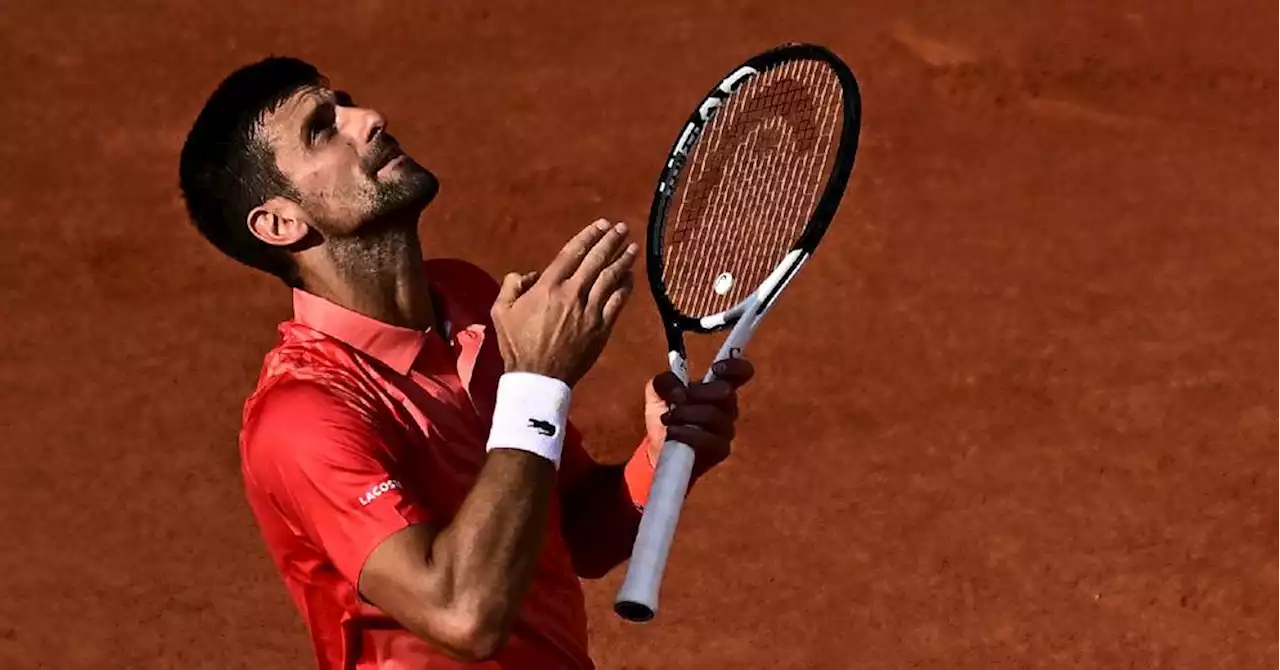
(537, 370)
(531, 413)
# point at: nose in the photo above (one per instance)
(363, 124)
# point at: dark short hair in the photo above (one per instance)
(227, 167)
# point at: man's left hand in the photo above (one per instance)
(699, 415)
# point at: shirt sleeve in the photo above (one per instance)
(639, 474)
(325, 464)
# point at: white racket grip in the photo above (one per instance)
(637, 600)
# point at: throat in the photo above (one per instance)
(383, 278)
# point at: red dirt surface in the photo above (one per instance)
(1018, 412)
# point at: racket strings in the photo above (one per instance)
(721, 201)
(768, 238)
(750, 186)
(798, 197)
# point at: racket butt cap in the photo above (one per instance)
(633, 611)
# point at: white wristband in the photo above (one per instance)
(530, 414)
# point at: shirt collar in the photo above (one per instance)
(395, 346)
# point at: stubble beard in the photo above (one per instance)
(389, 238)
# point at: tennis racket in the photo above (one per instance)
(746, 194)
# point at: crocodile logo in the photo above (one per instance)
(543, 427)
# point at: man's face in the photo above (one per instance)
(346, 169)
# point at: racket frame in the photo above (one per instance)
(637, 599)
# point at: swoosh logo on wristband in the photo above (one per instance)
(544, 427)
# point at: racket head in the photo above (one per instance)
(797, 96)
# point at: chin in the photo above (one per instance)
(415, 188)
(419, 184)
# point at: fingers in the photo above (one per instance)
(707, 427)
(617, 300)
(736, 371)
(710, 418)
(703, 415)
(513, 286)
(710, 448)
(570, 257)
(710, 392)
(585, 256)
(606, 251)
(612, 277)
(718, 393)
(668, 387)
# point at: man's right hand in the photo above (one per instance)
(556, 323)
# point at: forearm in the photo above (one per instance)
(484, 559)
(600, 521)
(488, 553)
(602, 514)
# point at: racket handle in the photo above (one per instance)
(637, 600)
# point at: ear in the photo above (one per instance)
(279, 222)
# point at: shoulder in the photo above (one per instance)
(309, 369)
(310, 414)
(297, 413)
(297, 397)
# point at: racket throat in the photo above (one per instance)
(679, 365)
(677, 358)
(779, 278)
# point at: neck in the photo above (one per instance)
(381, 276)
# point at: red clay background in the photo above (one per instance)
(1018, 412)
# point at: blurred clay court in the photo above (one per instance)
(1017, 413)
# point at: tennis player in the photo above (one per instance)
(407, 451)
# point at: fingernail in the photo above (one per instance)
(602, 224)
(620, 228)
(633, 248)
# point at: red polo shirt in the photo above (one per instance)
(358, 429)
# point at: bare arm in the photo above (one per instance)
(600, 521)
(460, 588)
